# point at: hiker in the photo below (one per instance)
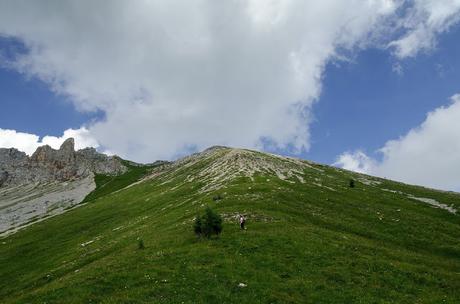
(242, 222)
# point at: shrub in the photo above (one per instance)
(352, 183)
(197, 225)
(140, 244)
(208, 224)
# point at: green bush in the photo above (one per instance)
(140, 244)
(352, 183)
(197, 225)
(208, 224)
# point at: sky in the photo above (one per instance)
(370, 85)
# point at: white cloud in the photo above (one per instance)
(398, 69)
(22, 141)
(176, 74)
(28, 143)
(428, 155)
(422, 23)
(356, 161)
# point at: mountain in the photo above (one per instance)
(49, 182)
(48, 165)
(312, 236)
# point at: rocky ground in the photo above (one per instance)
(28, 203)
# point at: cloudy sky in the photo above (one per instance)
(368, 85)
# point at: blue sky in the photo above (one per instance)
(28, 103)
(29, 106)
(365, 103)
(368, 86)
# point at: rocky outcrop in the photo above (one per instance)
(3, 177)
(100, 163)
(50, 165)
(49, 182)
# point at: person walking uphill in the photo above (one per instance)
(242, 222)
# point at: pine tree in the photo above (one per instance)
(209, 224)
(352, 183)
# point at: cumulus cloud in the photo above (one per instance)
(356, 161)
(178, 75)
(424, 20)
(173, 76)
(428, 155)
(22, 141)
(28, 143)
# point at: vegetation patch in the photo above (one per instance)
(208, 224)
(106, 184)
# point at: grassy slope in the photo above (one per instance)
(106, 184)
(304, 244)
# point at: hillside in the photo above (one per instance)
(311, 238)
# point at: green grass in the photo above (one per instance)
(106, 184)
(304, 244)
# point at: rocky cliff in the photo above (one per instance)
(49, 182)
(49, 165)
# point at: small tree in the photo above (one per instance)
(197, 225)
(208, 224)
(352, 183)
(140, 244)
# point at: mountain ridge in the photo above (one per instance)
(47, 164)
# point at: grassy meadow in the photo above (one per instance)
(317, 241)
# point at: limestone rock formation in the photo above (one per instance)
(49, 182)
(48, 165)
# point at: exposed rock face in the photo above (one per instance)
(48, 183)
(3, 177)
(28, 203)
(49, 165)
(100, 163)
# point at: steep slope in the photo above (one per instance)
(310, 239)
